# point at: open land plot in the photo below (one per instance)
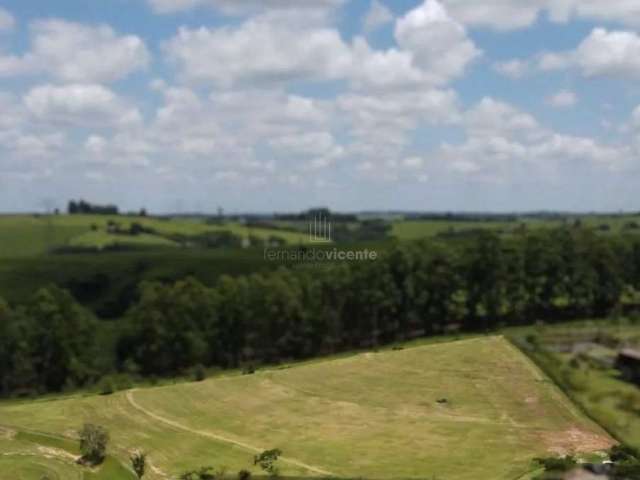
(467, 410)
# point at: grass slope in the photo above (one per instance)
(371, 415)
(33, 456)
(29, 235)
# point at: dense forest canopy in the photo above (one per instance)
(415, 289)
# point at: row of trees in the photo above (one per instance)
(84, 207)
(415, 289)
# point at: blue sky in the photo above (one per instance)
(278, 105)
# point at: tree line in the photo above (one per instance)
(82, 207)
(414, 289)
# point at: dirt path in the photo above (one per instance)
(220, 438)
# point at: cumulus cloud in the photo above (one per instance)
(498, 14)
(439, 44)
(603, 52)
(505, 15)
(258, 50)
(502, 142)
(563, 99)
(239, 7)
(377, 16)
(74, 52)
(80, 105)
(433, 49)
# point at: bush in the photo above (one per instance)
(106, 387)
(199, 373)
(621, 453)
(114, 383)
(555, 464)
(267, 461)
(93, 443)
(244, 475)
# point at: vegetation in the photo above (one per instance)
(414, 290)
(139, 463)
(93, 443)
(368, 415)
(267, 461)
(580, 358)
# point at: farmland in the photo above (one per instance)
(405, 413)
(31, 235)
(417, 229)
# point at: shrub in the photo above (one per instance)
(93, 443)
(199, 373)
(114, 383)
(106, 387)
(139, 463)
(557, 464)
(621, 453)
(267, 461)
(244, 475)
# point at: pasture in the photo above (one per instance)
(31, 235)
(417, 229)
(412, 413)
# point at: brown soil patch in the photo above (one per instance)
(576, 440)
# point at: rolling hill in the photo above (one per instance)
(411, 413)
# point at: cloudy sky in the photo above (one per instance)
(264, 105)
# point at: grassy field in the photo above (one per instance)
(30, 235)
(26, 456)
(414, 230)
(372, 415)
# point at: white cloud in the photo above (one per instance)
(515, 68)
(266, 49)
(492, 116)
(7, 21)
(389, 69)
(439, 44)
(413, 163)
(259, 50)
(311, 143)
(380, 125)
(74, 52)
(504, 143)
(498, 14)
(516, 14)
(377, 16)
(602, 53)
(96, 144)
(563, 99)
(33, 145)
(236, 7)
(80, 105)
(622, 11)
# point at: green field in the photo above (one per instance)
(372, 415)
(30, 235)
(26, 456)
(416, 229)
